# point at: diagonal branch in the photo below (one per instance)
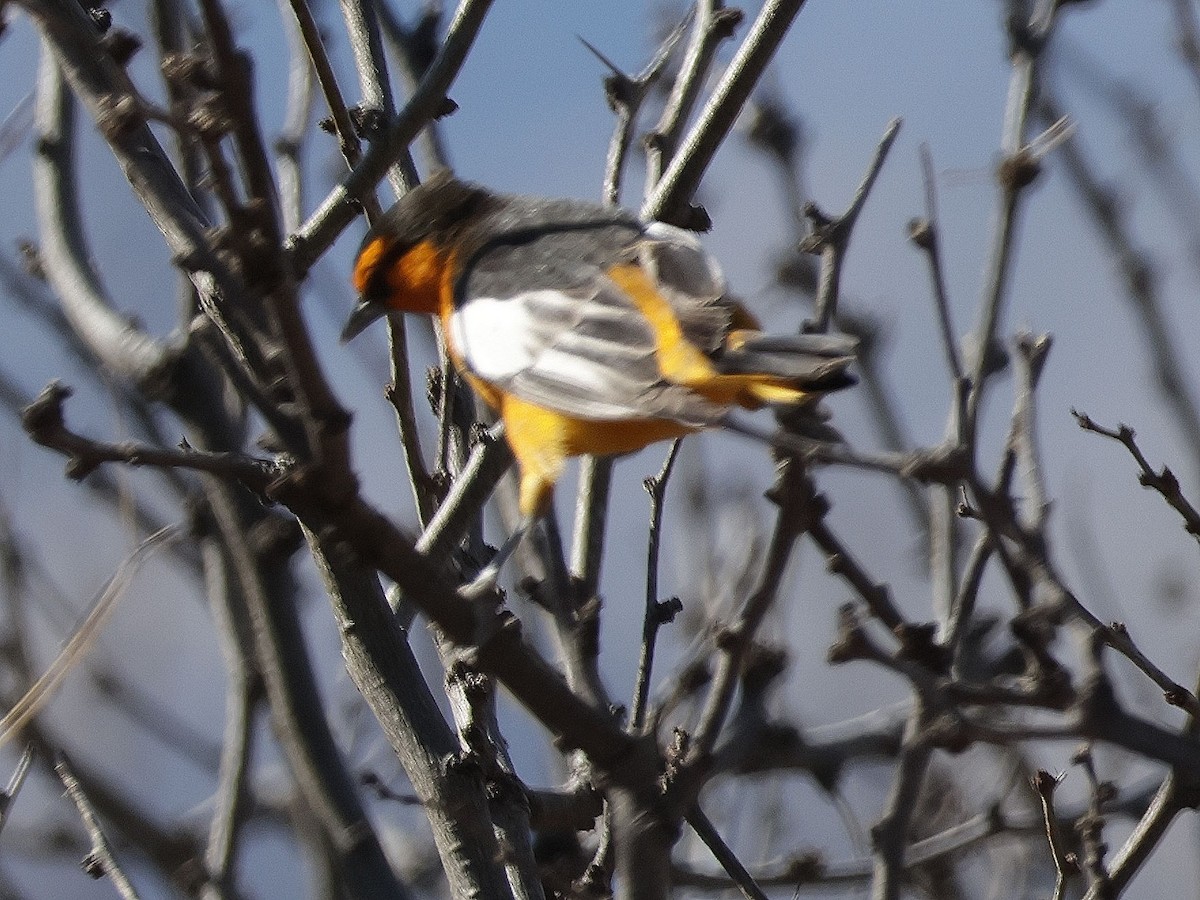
(339, 208)
(682, 177)
(100, 860)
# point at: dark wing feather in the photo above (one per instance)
(817, 361)
(691, 281)
(541, 320)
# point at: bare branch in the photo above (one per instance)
(426, 103)
(15, 782)
(290, 143)
(1065, 862)
(924, 234)
(726, 857)
(1164, 482)
(121, 346)
(44, 422)
(713, 24)
(657, 612)
(682, 176)
(831, 237)
(625, 95)
(81, 640)
(890, 833)
(101, 860)
(343, 126)
(362, 25)
(1017, 170)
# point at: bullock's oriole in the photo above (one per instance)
(589, 331)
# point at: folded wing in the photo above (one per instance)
(541, 319)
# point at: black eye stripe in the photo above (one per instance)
(377, 286)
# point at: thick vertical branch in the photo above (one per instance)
(383, 667)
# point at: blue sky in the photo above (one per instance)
(532, 118)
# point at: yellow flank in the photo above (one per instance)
(683, 364)
(543, 440)
(422, 280)
(765, 392)
(737, 338)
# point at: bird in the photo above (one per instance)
(587, 330)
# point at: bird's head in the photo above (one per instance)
(402, 260)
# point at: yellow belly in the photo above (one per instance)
(542, 441)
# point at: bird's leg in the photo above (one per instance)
(485, 581)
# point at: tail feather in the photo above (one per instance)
(827, 345)
(815, 362)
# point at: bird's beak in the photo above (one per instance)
(365, 312)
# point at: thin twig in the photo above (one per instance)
(1017, 171)
(490, 459)
(339, 114)
(724, 855)
(924, 234)
(399, 394)
(362, 26)
(64, 255)
(1090, 826)
(233, 789)
(338, 209)
(591, 520)
(1030, 361)
(841, 562)
(1171, 799)
(45, 423)
(656, 612)
(15, 782)
(625, 95)
(292, 134)
(1165, 482)
(1065, 863)
(813, 870)
(831, 237)
(890, 833)
(81, 640)
(262, 250)
(800, 509)
(414, 47)
(713, 24)
(101, 860)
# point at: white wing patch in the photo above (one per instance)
(493, 336)
(591, 356)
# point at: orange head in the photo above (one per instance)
(401, 262)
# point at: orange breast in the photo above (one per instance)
(412, 281)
